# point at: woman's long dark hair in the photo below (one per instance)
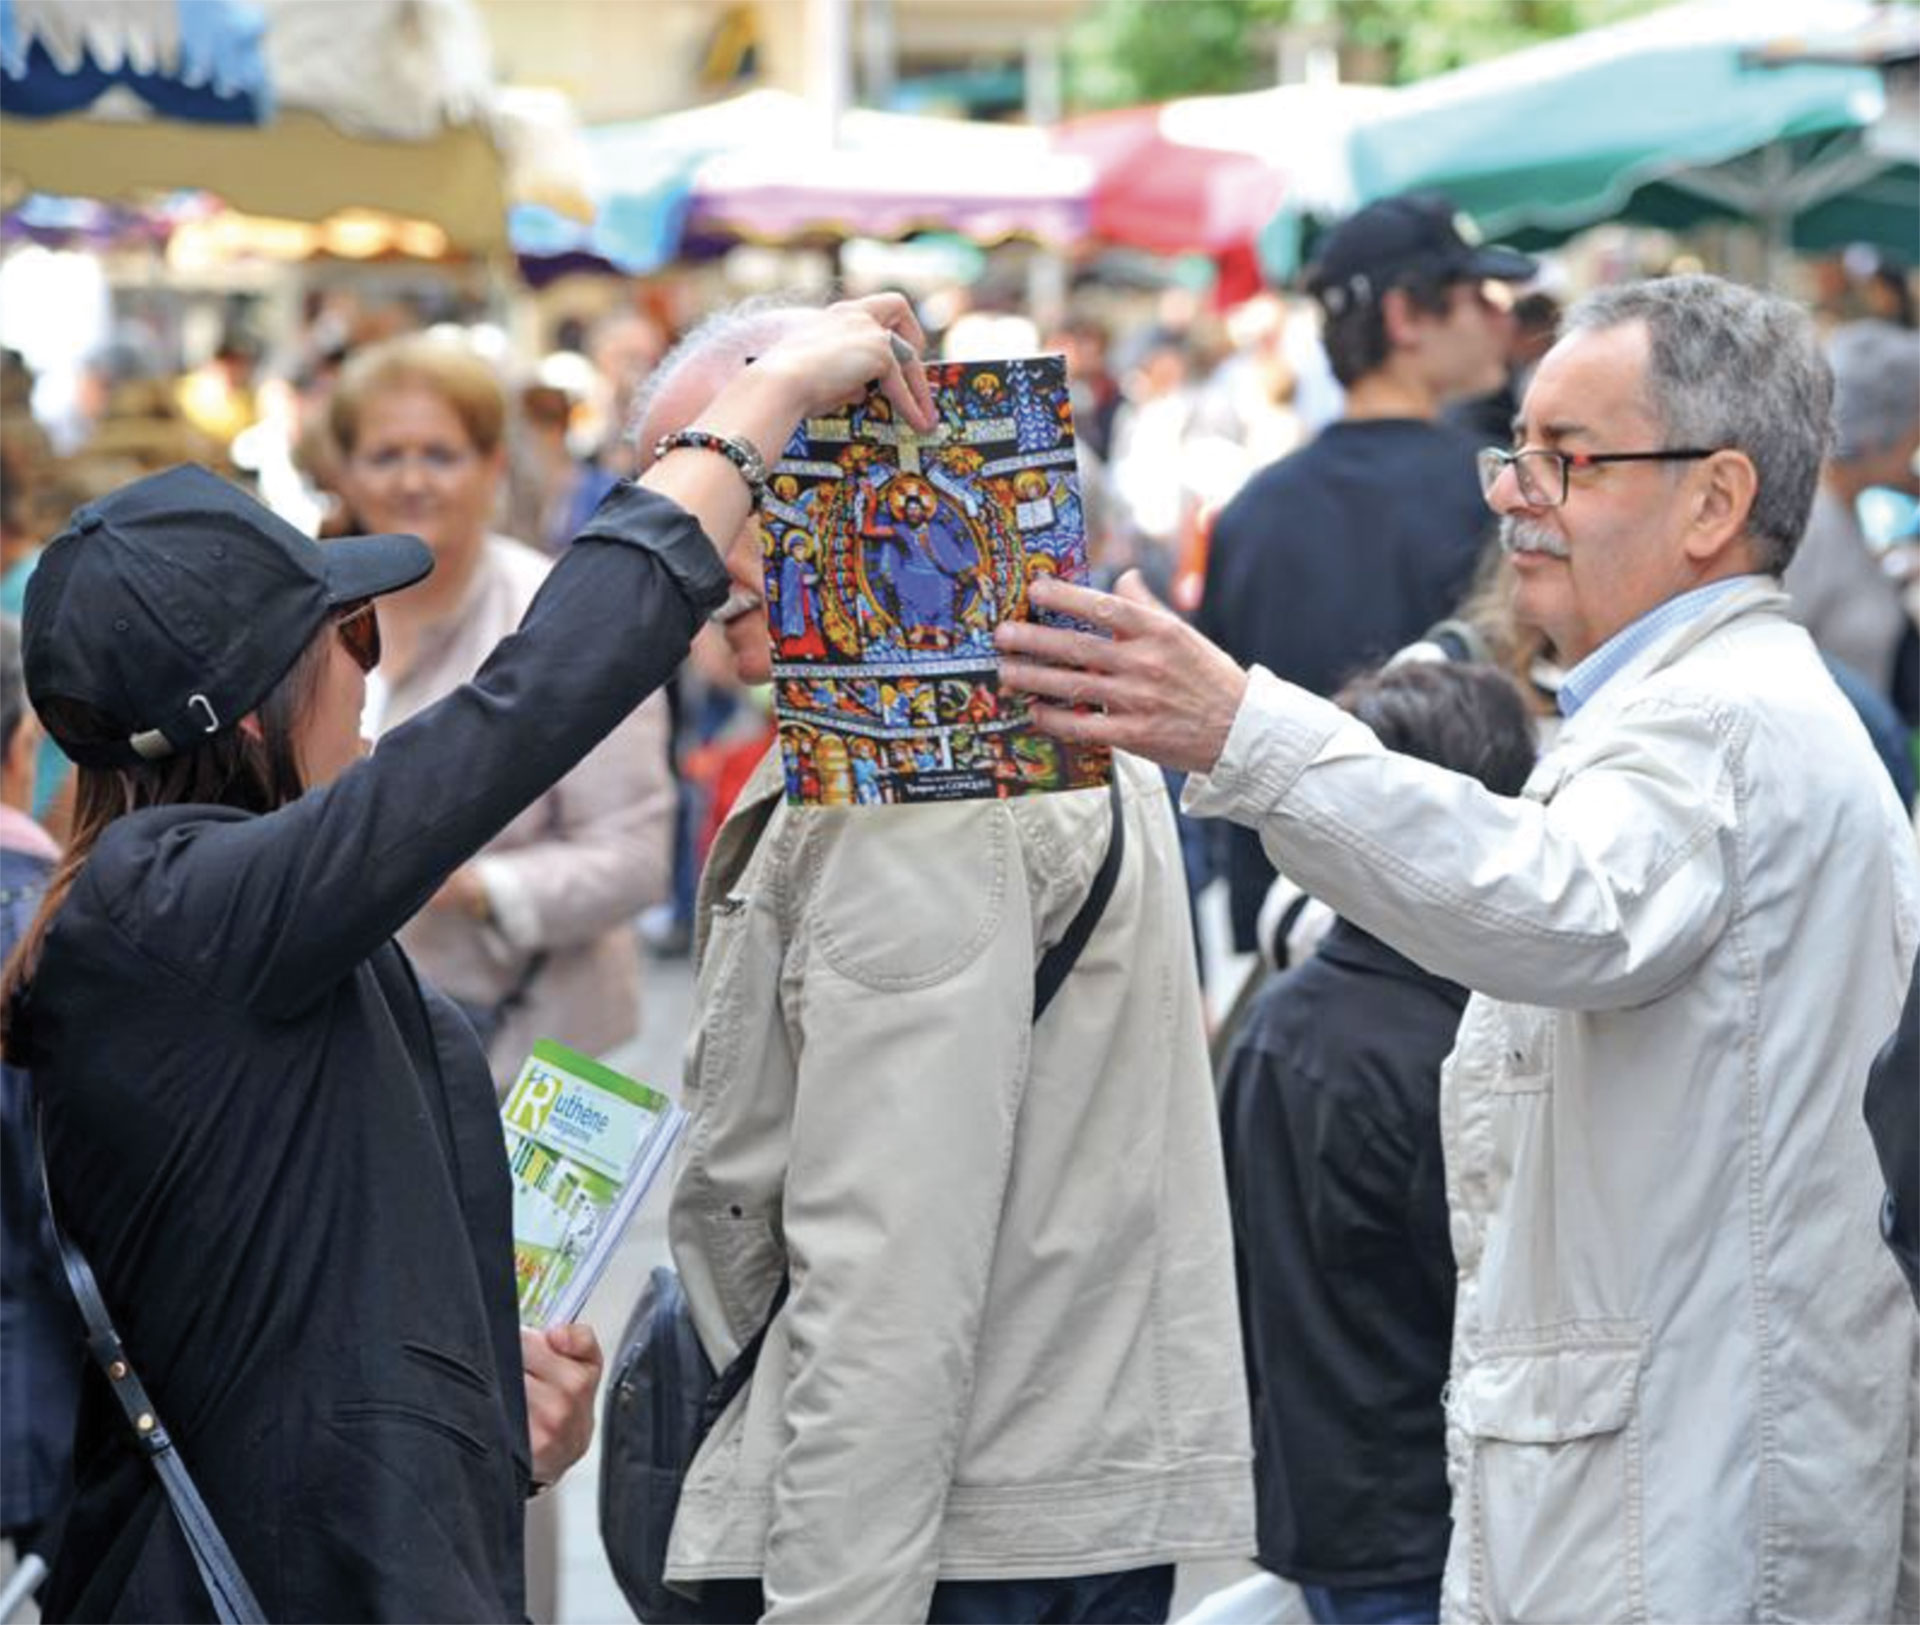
(234, 769)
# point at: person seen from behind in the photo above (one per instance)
(1004, 1383)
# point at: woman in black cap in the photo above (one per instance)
(277, 1148)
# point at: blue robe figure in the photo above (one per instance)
(798, 581)
(927, 561)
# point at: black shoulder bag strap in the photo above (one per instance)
(233, 1601)
(1051, 973)
(1049, 976)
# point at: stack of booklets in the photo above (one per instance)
(584, 1145)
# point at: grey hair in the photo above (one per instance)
(711, 347)
(1876, 387)
(1731, 367)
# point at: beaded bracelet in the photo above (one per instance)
(739, 452)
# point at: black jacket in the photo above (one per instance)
(1328, 561)
(1330, 1119)
(1893, 1119)
(281, 1152)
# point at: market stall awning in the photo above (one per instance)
(384, 105)
(185, 59)
(1668, 119)
(765, 167)
(1205, 174)
(892, 175)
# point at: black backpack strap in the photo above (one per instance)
(233, 1601)
(1051, 974)
(739, 1368)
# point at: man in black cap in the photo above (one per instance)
(1332, 558)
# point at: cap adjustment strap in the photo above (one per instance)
(154, 745)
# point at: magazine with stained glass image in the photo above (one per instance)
(584, 1145)
(891, 556)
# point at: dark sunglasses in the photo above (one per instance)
(359, 629)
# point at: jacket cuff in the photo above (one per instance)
(1278, 732)
(637, 517)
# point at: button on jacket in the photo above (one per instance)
(1011, 1348)
(1682, 1365)
(281, 1153)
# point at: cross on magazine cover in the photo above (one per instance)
(890, 558)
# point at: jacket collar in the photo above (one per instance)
(739, 834)
(1347, 946)
(1761, 596)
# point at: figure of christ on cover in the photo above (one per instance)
(890, 558)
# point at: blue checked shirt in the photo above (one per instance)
(1592, 674)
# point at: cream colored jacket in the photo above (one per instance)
(1682, 1373)
(1011, 1348)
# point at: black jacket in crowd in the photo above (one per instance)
(281, 1152)
(1328, 561)
(1330, 1120)
(1893, 1119)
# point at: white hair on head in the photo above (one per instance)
(673, 393)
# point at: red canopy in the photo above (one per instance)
(1205, 175)
(1155, 193)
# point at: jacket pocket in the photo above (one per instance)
(390, 1415)
(1553, 1487)
(1523, 1061)
(748, 1258)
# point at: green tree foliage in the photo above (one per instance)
(1127, 52)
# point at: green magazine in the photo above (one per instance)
(584, 1144)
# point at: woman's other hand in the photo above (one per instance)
(562, 1366)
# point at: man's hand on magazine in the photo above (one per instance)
(562, 1366)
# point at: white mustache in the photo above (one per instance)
(741, 601)
(1516, 536)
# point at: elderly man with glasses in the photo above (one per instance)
(1683, 1376)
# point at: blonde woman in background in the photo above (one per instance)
(533, 936)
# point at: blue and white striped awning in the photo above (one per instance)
(201, 61)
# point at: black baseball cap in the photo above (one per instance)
(1418, 234)
(175, 605)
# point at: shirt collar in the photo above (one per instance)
(1592, 674)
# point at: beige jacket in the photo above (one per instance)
(569, 874)
(1011, 1348)
(1682, 1373)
